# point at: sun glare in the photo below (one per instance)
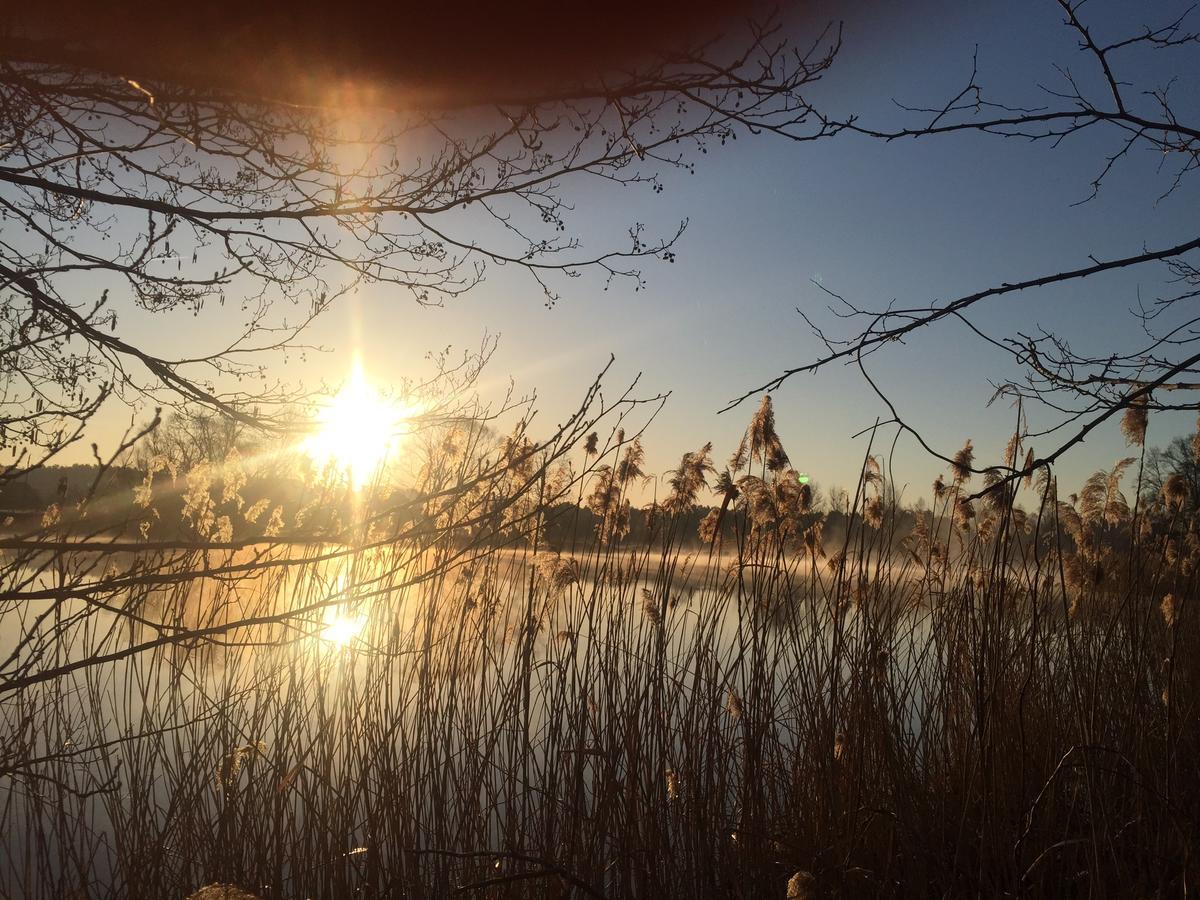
(357, 429)
(342, 629)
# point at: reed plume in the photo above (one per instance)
(1170, 610)
(630, 467)
(1101, 499)
(557, 572)
(651, 608)
(672, 784)
(737, 461)
(996, 494)
(961, 464)
(1134, 422)
(689, 478)
(873, 512)
(1175, 491)
(765, 445)
(802, 886)
(218, 891)
(939, 488)
(1012, 449)
(964, 512)
(733, 705)
(813, 538)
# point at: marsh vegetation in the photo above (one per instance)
(990, 696)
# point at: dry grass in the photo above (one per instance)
(948, 712)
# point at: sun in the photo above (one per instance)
(357, 429)
(341, 629)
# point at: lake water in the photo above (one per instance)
(465, 703)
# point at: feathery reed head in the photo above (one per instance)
(836, 563)
(762, 425)
(997, 495)
(733, 705)
(964, 512)
(765, 445)
(1011, 449)
(873, 512)
(961, 464)
(630, 467)
(802, 886)
(651, 608)
(737, 461)
(804, 498)
(687, 480)
(725, 485)
(672, 784)
(557, 572)
(653, 513)
(1133, 423)
(1175, 491)
(872, 475)
(777, 458)
(939, 488)
(813, 537)
(221, 892)
(1170, 610)
(1028, 467)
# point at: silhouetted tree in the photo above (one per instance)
(128, 189)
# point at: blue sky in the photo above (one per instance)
(911, 221)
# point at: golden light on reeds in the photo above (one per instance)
(357, 429)
(802, 886)
(1134, 422)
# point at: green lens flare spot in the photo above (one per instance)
(803, 479)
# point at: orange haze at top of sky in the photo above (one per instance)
(386, 53)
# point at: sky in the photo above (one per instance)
(872, 221)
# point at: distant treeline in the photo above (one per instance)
(33, 491)
(115, 505)
(570, 526)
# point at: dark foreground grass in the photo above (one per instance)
(1005, 705)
